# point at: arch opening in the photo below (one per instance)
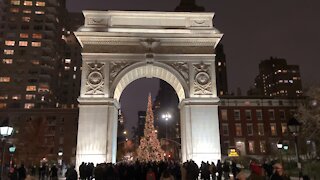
(132, 116)
(156, 70)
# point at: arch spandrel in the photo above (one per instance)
(149, 70)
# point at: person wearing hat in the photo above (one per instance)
(278, 173)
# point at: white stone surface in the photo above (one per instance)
(172, 46)
(96, 126)
(200, 130)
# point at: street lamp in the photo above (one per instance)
(166, 117)
(279, 144)
(5, 131)
(60, 161)
(294, 128)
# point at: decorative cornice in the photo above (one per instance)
(139, 57)
(116, 41)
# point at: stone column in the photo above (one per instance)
(200, 137)
(97, 130)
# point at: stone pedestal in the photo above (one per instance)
(97, 131)
(200, 139)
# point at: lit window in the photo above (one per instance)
(284, 128)
(2, 97)
(67, 61)
(24, 35)
(15, 2)
(27, 3)
(26, 19)
(295, 78)
(74, 68)
(39, 12)
(37, 36)
(4, 79)
(221, 93)
(8, 51)
(224, 114)
(260, 129)
(219, 63)
(30, 96)
(66, 68)
(16, 97)
(251, 146)
(43, 88)
(28, 105)
(263, 146)
(14, 10)
(273, 128)
(27, 11)
(7, 61)
(39, 3)
(23, 43)
(35, 62)
(42, 98)
(9, 43)
(225, 129)
(74, 76)
(36, 44)
(250, 129)
(238, 130)
(31, 88)
(291, 81)
(3, 105)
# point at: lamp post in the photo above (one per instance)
(280, 146)
(60, 160)
(5, 131)
(12, 149)
(294, 128)
(166, 117)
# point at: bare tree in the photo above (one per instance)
(309, 115)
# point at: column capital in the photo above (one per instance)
(98, 101)
(199, 101)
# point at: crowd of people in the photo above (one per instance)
(164, 170)
(189, 170)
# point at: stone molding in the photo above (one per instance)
(148, 19)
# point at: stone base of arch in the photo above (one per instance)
(97, 130)
(200, 137)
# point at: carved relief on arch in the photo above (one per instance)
(202, 80)
(95, 79)
(182, 68)
(116, 67)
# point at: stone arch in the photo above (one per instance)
(177, 47)
(149, 70)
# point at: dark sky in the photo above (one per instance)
(253, 31)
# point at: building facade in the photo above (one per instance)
(254, 125)
(30, 52)
(40, 78)
(221, 71)
(39, 134)
(278, 79)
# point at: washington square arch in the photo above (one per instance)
(120, 47)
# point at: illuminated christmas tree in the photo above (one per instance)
(149, 148)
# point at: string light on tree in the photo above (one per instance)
(149, 148)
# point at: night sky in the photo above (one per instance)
(253, 31)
